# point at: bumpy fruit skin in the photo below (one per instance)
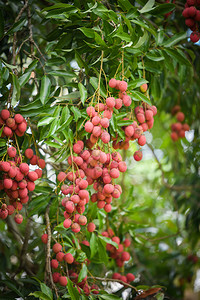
(122, 86)
(57, 248)
(54, 263)
(12, 152)
(18, 218)
(32, 176)
(142, 140)
(125, 256)
(143, 88)
(60, 256)
(127, 243)
(138, 155)
(5, 114)
(91, 227)
(56, 277)
(69, 258)
(75, 227)
(63, 280)
(67, 223)
(195, 36)
(112, 83)
(116, 276)
(44, 238)
(130, 277)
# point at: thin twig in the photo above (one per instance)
(15, 34)
(48, 273)
(114, 280)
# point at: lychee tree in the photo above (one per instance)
(95, 203)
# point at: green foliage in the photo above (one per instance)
(77, 49)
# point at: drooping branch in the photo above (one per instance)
(114, 280)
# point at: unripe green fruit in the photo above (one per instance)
(143, 87)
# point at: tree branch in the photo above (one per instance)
(48, 273)
(115, 280)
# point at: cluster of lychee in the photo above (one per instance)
(101, 114)
(192, 15)
(145, 120)
(17, 180)
(58, 263)
(119, 255)
(12, 124)
(103, 169)
(74, 188)
(89, 167)
(178, 129)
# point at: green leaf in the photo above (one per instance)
(40, 295)
(2, 142)
(17, 26)
(66, 123)
(46, 121)
(46, 290)
(109, 297)
(53, 127)
(83, 92)
(175, 39)
(87, 32)
(81, 62)
(45, 89)
(94, 82)
(142, 24)
(108, 240)
(32, 66)
(137, 96)
(136, 83)
(99, 40)
(53, 144)
(11, 286)
(65, 115)
(8, 65)
(93, 244)
(62, 73)
(178, 56)
(124, 122)
(163, 9)
(141, 40)
(154, 56)
(77, 113)
(71, 96)
(81, 257)
(125, 5)
(24, 78)
(16, 90)
(72, 290)
(83, 273)
(102, 251)
(148, 6)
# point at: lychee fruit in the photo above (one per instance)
(143, 87)
(12, 152)
(91, 227)
(57, 248)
